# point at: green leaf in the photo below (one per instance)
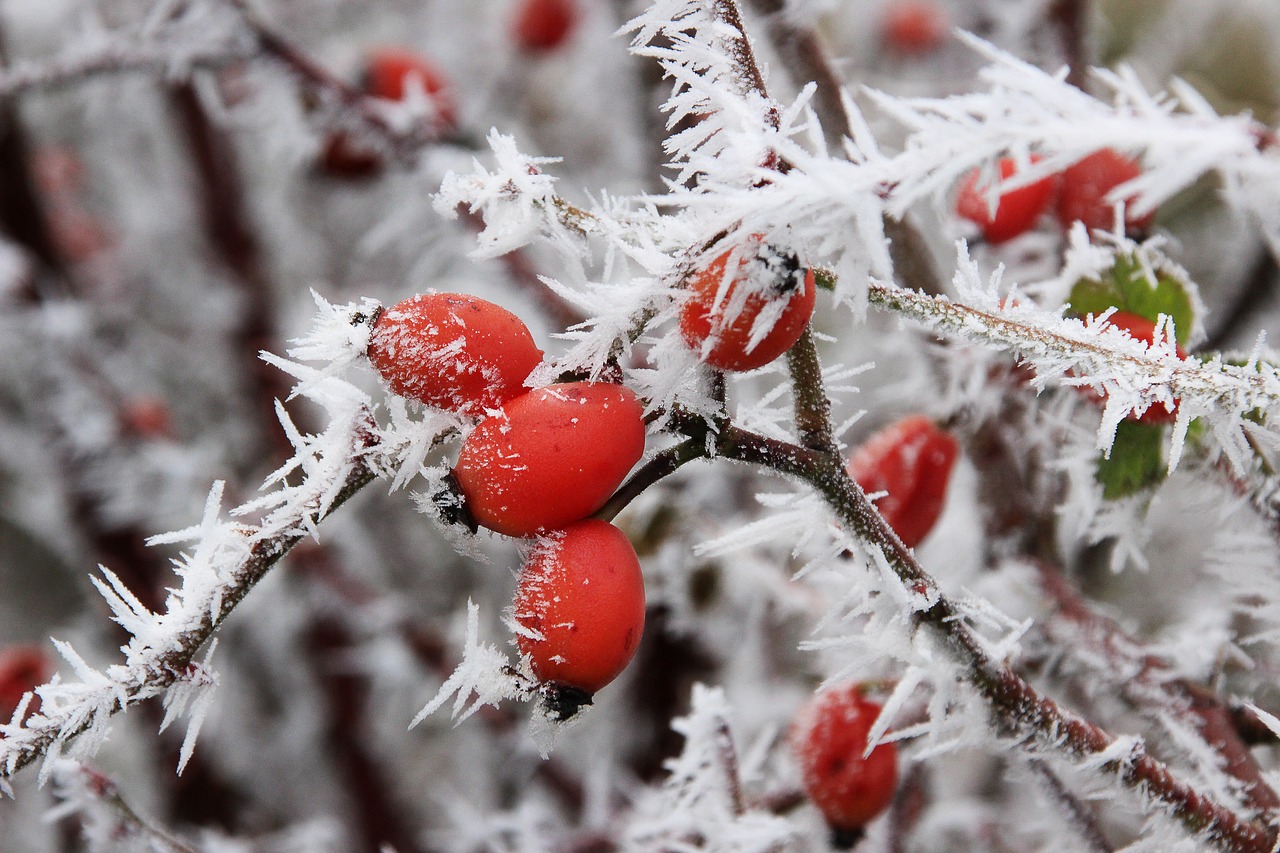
(1136, 462)
(1127, 287)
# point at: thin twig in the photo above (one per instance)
(1082, 819)
(1071, 18)
(663, 464)
(105, 790)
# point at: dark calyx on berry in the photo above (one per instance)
(563, 701)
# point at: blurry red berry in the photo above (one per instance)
(343, 157)
(544, 25)
(22, 669)
(912, 461)
(1086, 184)
(147, 417)
(828, 738)
(579, 605)
(1017, 210)
(914, 27)
(390, 72)
(453, 351)
(771, 278)
(550, 457)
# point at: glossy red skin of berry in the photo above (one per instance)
(914, 27)
(911, 460)
(1141, 329)
(453, 351)
(544, 25)
(389, 70)
(702, 320)
(828, 739)
(582, 593)
(22, 669)
(1085, 185)
(550, 457)
(1017, 210)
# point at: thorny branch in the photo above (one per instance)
(43, 731)
(1019, 712)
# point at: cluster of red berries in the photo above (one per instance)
(1077, 194)
(849, 785)
(537, 464)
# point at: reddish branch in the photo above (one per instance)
(1151, 683)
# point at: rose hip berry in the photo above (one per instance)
(828, 738)
(390, 72)
(913, 27)
(22, 669)
(1017, 210)
(720, 328)
(1086, 184)
(550, 457)
(579, 606)
(912, 461)
(544, 25)
(453, 351)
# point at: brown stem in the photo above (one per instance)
(663, 464)
(744, 56)
(805, 56)
(1070, 17)
(812, 406)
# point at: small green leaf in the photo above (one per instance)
(1126, 287)
(1136, 462)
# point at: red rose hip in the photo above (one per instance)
(579, 606)
(1086, 184)
(550, 457)
(544, 25)
(1017, 210)
(912, 461)
(913, 27)
(453, 351)
(390, 71)
(720, 329)
(22, 669)
(828, 738)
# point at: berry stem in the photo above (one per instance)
(663, 464)
(812, 406)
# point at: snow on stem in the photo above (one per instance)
(227, 560)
